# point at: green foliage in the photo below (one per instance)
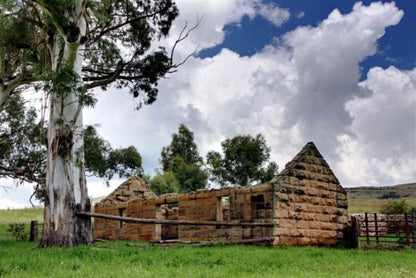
(104, 162)
(181, 158)
(35, 36)
(268, 173)
(125, 162)
(183, 146)
(243, 161)
(18, 231)
(396, 207)
(23, 149)
(164, 183)
(190, 176)
(140, 21)
(22, 144)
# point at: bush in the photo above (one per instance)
(390, 195)
(18, 231)
(396, 207)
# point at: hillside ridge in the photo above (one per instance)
(407, 190)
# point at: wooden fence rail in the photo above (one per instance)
(172, 222)
(34, 224)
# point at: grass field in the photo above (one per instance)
(370, 199)
(373, 205)
(10, 216)
(116, 259)
(135, 259)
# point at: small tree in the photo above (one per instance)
(181, 158)
(243, 163)
(183, 146)
(164, 183)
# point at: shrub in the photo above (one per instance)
(18, 231)
(396, 207)
(390, 195)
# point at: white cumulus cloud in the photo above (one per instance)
(303, 88)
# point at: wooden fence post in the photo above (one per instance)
(33, 231)
(358, 227)
(407, 229)
(376, 227)
(366, 229)
(414, 229)
(355, 225)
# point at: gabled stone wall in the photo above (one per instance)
(305, 202)
(311, 205)
(133, 188)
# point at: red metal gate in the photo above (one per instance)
(374, 230)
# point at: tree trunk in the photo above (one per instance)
(65, 178)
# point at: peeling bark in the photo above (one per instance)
(65, 180)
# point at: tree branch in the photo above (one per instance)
(105, 80)
(182, 36)
(115, 27)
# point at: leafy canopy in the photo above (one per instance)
(180, 160)
(117, 45)
(183, 146)
(243, 161)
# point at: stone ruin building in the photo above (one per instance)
(305, 202)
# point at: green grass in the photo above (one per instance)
(9, 216)
(134, 259)
(116, 259)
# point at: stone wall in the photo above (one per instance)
(311, 205)
(251, 204)
(133, 188)
(305, 202)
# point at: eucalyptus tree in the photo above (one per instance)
(66, 48)
(23, 149)
(181, 158)
(183, 146)
(244, 161)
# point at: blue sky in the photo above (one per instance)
(339, 73)
(397, 46)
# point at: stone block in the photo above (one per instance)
(282, 231)
(287, 223)
(342, 203)
(282, 213)
(323, 217)
(297, 232)
(302, 224)
(282, 197)
(312, 191)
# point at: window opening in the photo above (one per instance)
(223, 208)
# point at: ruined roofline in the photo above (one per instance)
(133, 188)
(233, 187)
(308, 155)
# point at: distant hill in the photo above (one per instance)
(370, 199)
(407, 190)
